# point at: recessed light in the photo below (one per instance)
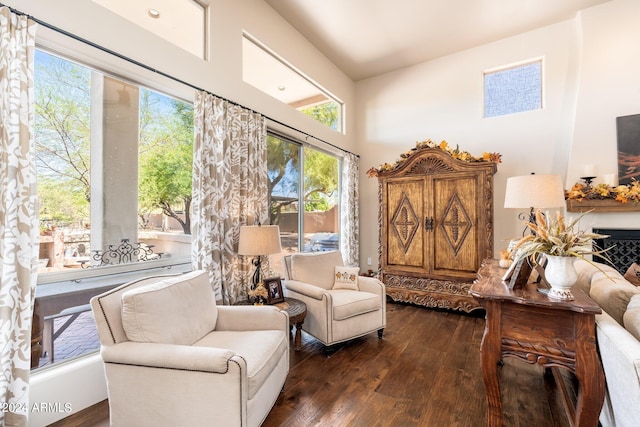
(281, 87)
(153, 13)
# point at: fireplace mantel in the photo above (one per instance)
(604, 205)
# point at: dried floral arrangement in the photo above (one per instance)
(558, 238)
(456, 153)
(621, 193)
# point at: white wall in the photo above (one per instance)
(609, 87)
(585, 60)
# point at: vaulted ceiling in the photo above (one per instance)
(365, 38)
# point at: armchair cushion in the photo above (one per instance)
(261, 350)
(316, 268)
(631, 317)
(346, 278)
(347, 303)
(633, 274)
(155, 313)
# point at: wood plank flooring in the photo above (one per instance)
(424, 372)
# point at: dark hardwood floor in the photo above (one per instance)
(424, 372)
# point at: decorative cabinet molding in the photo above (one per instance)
(436, 227)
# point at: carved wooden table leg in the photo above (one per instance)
(589, 373)
(491, 355)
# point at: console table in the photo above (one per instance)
(525, 323)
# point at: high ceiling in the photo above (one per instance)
(365, 38)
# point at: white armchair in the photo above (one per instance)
(171, 357)
(334, 315)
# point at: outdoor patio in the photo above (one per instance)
(80, 338)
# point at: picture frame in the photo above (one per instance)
(628, 130)
(274, 290)
(518, 275)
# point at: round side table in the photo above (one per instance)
(296, 310)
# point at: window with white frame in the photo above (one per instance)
(114, 162)
(304, 194)
(271, 74)
(513, 89)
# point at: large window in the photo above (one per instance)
(114, 163)
(304, 195)
(114, 186)
(513, 89)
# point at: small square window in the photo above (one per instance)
(513, 89)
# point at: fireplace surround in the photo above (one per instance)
(624, 247)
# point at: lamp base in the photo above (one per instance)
(257, 262)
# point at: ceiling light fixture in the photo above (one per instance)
(281, 87)
(153, 13)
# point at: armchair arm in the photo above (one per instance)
(169, 356)
(371, 284)
(306, 289)
(251, 318)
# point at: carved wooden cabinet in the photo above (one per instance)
(436, 227)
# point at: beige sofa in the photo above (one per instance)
(172, 358)
(334, 313)
(618, 335)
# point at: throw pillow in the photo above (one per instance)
(633, 274)
(346, 278)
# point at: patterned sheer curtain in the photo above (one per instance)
(18, 214)
(230, 189)
(350, 227)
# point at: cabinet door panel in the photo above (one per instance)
(404, 222)
(455, 230)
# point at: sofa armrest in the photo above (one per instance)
(306, 289)
(371, 284)
(169, 356)
(251, 318)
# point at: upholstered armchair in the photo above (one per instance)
(172, 357)
(340, 304)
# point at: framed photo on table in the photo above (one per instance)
(274, 290)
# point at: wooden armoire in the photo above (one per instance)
(436, 227)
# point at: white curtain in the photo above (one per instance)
(350, 227)
(18, 214)
(230, 189)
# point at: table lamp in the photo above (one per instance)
(259, 240)
(534, 192)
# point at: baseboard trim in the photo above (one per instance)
(89, 416)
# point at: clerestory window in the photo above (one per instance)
(513, 89)
(271, 74)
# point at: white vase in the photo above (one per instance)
(561, 275)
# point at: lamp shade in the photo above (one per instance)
(259, 240)
(534, 191)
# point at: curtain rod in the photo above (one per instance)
(154, 70)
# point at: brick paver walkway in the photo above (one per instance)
(81, 337)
